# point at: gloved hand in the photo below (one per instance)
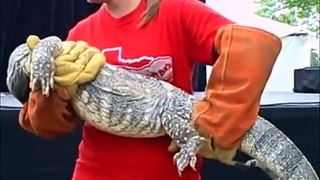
(48, 117)
(78, 64)
(232, 100)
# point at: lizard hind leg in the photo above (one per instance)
(187, 138)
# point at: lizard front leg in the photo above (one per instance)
(42, 65)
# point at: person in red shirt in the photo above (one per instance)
(182, 32)
(160, 49)
(167, 46)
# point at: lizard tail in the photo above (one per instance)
(275, 153)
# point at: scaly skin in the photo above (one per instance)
(17, 75)
(127, 104)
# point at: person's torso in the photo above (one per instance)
(157, 50)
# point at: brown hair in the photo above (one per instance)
(150, 12)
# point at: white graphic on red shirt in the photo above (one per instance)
(159, 67)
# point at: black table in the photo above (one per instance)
(24, 156)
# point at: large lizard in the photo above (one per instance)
(133, 105)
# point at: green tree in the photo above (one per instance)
(314, 59)
(294, 12)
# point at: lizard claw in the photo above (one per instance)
(184, 158)
(193, 162)
(42, 75)
(47, 85)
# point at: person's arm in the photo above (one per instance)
(44, 117)
(201, 24)
(53, 116)
(48, 117)
(242, 59)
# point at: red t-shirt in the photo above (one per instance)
(167, 47)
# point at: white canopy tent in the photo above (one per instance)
(297, 44)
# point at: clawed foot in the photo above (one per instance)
(187, 154)
(184, 158)
(253, 163)
(42, 65)
(42, 71)
(42, 78)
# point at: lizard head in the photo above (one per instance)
(17, 74)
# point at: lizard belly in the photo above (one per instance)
(117, 114)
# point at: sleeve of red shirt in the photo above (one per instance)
(202, 24)
(72, 34)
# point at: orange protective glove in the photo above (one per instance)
(48, 117)
(232, 100)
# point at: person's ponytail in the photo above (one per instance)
(150, 12)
